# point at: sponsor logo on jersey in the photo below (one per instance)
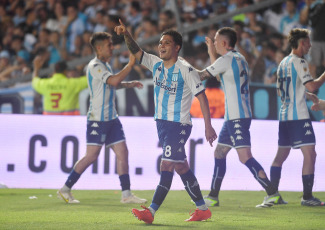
(183, 132)
(306, 125)
(165, 87)
(308, 132)
(174, 76)
(94, 125)
(94, 132)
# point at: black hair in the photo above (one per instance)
(177, 37)
(60, 67)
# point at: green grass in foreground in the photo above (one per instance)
(102, 210)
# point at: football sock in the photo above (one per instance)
(125, 182)
(72, 179)
(275, 175)
(162, 189)
(193, 189)
(308, 182)
(255, 167)
(218, 174)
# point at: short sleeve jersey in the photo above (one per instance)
(102, 95)
(233, 71)
(60, 94)
(173, 88)
(293, 74)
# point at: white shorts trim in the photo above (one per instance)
(115, 143)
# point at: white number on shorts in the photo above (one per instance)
(168, 151)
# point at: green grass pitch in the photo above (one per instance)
(101, 209)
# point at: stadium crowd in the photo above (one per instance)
(59, 30)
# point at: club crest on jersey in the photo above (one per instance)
(174, 76)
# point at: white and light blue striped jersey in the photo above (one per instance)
(293, 73)
(102, 95)
(173, 88)
(233, 71)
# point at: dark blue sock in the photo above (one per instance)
(125, 182)
(275, 175)
(72, 179)
(162, 189)
(308, 183)
(218, 174)
(255, 167)
(192, 187)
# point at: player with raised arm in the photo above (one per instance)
(103, 124)
(232, 70)
(175, 82)
(295, 127)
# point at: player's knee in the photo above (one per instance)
(181, 168)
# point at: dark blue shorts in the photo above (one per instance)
(235, 133)
(172, 137)
(108, 132)
(296, 133)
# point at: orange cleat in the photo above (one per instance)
(200, 215)
(144, 215)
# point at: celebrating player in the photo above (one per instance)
(232, 70)
(295, 127)
(103, 125)
(174, 84)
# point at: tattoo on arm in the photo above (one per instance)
(204, 75)
(131, 44)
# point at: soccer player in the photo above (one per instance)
(103, 124)
(174, 84)
(60, 93)
(232, 70)
(295, 127)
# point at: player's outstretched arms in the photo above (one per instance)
(116, 79)
(210, 133)
(130, 43)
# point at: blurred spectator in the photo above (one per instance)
(291, 15)
(316, 15)
(73, 28)
(56, 48)
(134, 18)
(265, 63)
(111, 21)
(166, 21)
(59, 19)
(216, 98)
(100, 22)
(203, 9)
(60, 93)
(272, 16)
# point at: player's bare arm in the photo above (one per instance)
(211, 49)
(130, 43)
(130, 84)
(210, 133)
(116, 79)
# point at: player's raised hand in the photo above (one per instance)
(121, 29)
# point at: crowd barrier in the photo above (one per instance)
(39, 151)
